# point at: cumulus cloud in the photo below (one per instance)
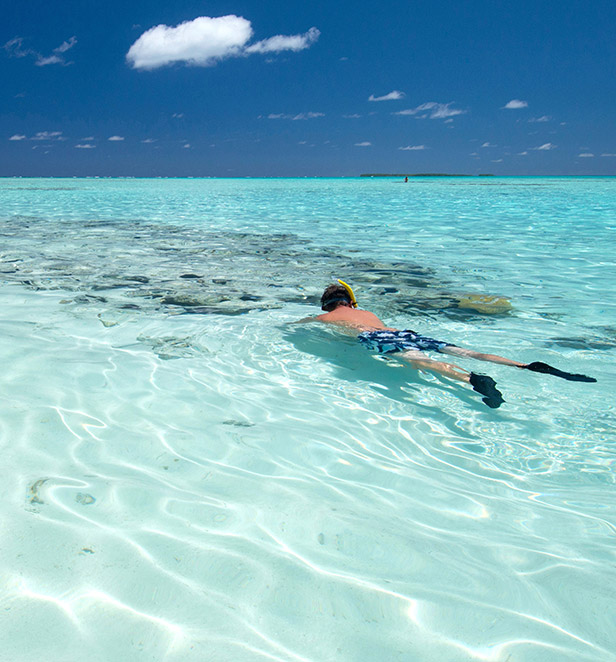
(392, 96)
(607, 154)
(149, 140)
(115, 138)
(586, 155)
(17, 136)
(516, 104)
(488, 144)
(85, 146)
(278, 43)
(364, 144)
(352, 117)
(432, 110)
(545, 147)
(543, 118)
(15, 48)
(205, 41)
(299, 116)
(200, 42)
(412, 148)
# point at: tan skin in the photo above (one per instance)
(355, 321)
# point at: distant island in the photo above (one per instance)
(423, 174)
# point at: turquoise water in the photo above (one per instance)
(188, 476)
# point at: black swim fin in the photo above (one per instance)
(537, 366)
(487, 386)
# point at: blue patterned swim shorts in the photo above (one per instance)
(386, 341)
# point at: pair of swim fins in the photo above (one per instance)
(494, 398)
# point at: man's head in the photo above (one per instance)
(334, 296)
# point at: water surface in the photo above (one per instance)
(189, 476)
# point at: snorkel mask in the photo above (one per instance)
(350, 291)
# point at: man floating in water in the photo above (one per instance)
(340, 306)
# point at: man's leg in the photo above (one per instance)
(470, 354)
(483, 384)
(535, 366)
(419, 361)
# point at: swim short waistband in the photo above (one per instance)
(386, 341)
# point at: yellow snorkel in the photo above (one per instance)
(350, 291)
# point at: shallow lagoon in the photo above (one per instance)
(191, 477)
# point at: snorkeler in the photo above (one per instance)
(340, 306)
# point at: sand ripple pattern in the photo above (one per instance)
(249, 506)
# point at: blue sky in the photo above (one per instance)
(272, 88)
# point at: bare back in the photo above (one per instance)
(353, 319)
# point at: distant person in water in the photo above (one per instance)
(340, 306)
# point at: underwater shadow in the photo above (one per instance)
(353, 363)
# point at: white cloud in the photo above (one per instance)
(65, 45)
(351, 117)
(88, 139)
(496, 161)
(307, 116)
(51, 59)
(412, 148)
(278, 43)
(392, 96)
(432, 110)
(299, 116)
(545, 147)
(149, 140)
(48, 135)
(586, 155)
(543, 118)
(516, 104)
(523, 153)
(14, 48)
(114, 139)
(364, 144)
(487, 144)
(204, 41)
(85, 146)
(186, 146)
(607, 154)
(177, 116)
(17, 136)
(200, 42)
